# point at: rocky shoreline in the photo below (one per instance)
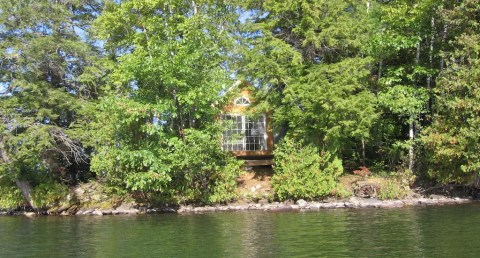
(262, 205)
(352, 203)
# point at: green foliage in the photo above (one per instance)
(48, 194)
(194, 170)
(10, 195)
(201, 171)
(309, 58)
(302, 173)
(396, 185)
(404, 101)
(43, 87)
(330, 105)
(341, 192)
(154, 129)
(354, 80)
(452, 139)
(392, 188)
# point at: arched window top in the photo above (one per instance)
(242, 101)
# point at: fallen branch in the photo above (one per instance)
(68, 148)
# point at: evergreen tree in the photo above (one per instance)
(47, 75)
(453, 138)
(309, 57)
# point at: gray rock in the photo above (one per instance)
(302, 203)
(106, 212)
(134, 211)
(329, 205)
(198, 209)
(186, 208)
(126, 206)
(97, 212)
(125, 212)
(88, 212)
(436, 197)
(263, 201)
(79, 192)
(282, 208)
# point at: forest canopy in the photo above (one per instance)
(128, 93)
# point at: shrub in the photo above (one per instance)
(10, 196)
(301, 173)
(393, 188)
(175, 170)
(341, 192)
(201, 172)
(48, 194)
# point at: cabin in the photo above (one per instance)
(248, 133)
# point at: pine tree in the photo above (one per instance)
(309, 57)
(47, 75)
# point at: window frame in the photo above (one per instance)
(228, 144)
(246, 101)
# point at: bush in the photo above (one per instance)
(201, 172)
(190, 170)
(393, 188)
(301, 173)
(46, 195)
(10, 196)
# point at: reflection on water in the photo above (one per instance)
(449, 231)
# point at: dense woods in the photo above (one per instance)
(128, 93)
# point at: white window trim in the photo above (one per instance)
(241, 104)
(264, 145)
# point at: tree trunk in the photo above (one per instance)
(430, 60)
(194, 5)
(417, 56)
(26, 189)
(444, 39)
(411, 125)
(411, 154)
(180, 124)
(380, 69)
(363, 152)
(147, 42)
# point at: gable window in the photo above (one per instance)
(242, 101)
(244, 133)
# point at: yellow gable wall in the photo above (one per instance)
(246, 90)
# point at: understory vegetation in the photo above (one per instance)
(129, 94)
(300, 172)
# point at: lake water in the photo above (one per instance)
(444, 231)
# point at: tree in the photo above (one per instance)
(309, 57)
(46, 74)
(453, 139)
(331, 105)
(171, 66)
(405, 44)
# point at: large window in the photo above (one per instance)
(244, 133)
